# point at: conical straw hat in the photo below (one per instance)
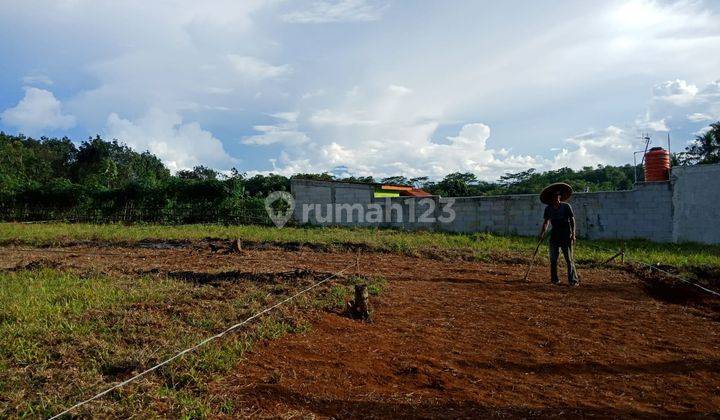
(561, 188)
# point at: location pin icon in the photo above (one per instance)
(279, 217)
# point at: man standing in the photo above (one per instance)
(562, 235)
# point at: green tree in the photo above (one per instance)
(705, 148)
(396, 180)
(261, 185)
(325, 176)
(456, 184)
(113, 165)
(360, 179)
(198, 173)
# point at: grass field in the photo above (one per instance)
(66, 333)
(73, 323)
(480, 245)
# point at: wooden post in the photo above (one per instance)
(360, 307)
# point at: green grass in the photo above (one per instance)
(480, 245)
(36, 303)
(66, 336)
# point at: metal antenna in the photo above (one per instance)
(646, 137)
(669, 154)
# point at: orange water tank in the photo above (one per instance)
(657, 165)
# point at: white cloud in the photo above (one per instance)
(408, 150)
(37, 79)
(327, 117)
(355, 91)
(255, 69)
(408, 87)
(411, 151)
(290, 116)
(180, 145)
(313, 94)
(677, 92)
(325, 11)
(712, 90)
(678, 100)
(648, 124)
(286, 134)
(688, 102)
(702, 131)
(659, 125)
(700, 117)
(399, 90)
(215, 90)
(654, 16)
(611, 146)
(472, 135)
(38, 110)
(390, 133)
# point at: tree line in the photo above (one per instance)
(51, 179)
(99, 180)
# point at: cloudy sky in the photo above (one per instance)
(366, 87)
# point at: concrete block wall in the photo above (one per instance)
(683, 209)
(324, 194)
(644, 212)
(641, 213)
(696, 204)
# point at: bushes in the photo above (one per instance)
(102, 181)
(176, 202)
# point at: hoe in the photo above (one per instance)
(532, 261)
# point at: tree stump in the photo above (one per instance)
(360, 307)
(236, 246)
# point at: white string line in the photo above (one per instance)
(203, 342)
(682, 279)
(663, 271)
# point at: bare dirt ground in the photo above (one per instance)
(453, 338)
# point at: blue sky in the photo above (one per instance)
(375, 86)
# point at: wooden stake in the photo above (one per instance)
(360, 307)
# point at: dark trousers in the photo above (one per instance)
(568, 254)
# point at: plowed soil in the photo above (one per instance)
(453, 338)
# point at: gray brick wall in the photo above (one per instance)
(695, 202)
(683, 209)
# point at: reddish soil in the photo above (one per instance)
(458, 339)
